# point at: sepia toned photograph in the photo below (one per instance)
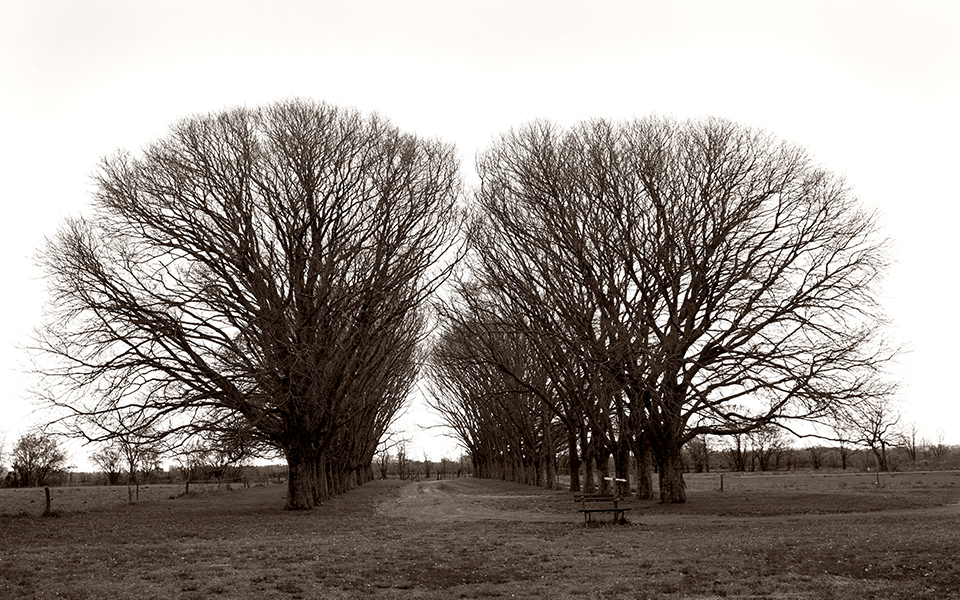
(431, 299)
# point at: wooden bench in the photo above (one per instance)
(591, 504)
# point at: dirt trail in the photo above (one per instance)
(476, 500)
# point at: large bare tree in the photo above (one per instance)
(714, 272)
(268, 265)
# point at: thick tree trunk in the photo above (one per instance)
(672, 487)
(644, 460)
(322, 486)
(589, 483)
(301, 477)
(880, 452)
(552, 471)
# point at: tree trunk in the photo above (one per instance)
(644, 460)
(621, 461)
(321, 483)
(602, 458)
(574, 461)
(881, 454)
(672, 487)
(301, 477)
(548, 453)
(588, 466)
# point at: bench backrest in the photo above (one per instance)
(594, 498)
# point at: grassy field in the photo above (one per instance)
(773, 536)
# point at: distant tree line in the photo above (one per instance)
(399, 464)
(769, 451)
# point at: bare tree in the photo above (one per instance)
(910, 440)
(141, 455)
(876, 426)
(109, 459)
(383, 463)
(491, 386)
(736, 452)
(36, 457)
(268, 266)
(427, 466)
(403, 461)
(816, 454)
(699, 450)
(715, 273)
(938, 449)
(766, 446)
(390, 441)
(846, 438)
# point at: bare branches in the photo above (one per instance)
(269, 264)
(711, 272)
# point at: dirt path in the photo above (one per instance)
(477, 500)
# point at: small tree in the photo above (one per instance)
(875, 425)
(403, 462)
(939, 449)
(36, 457)
(699, 451)
(109, 459)
(427, 466)
(816, 454)
(383, 464)
(767, 445)
(910, 440)
(736, 453)
(141, 454)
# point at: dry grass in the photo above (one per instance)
(69, 499)
(483, 539)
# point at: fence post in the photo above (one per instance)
(46, 491)
(721, 482)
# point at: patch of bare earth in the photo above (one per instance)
(468, 500)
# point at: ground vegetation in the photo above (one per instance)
(775, 536)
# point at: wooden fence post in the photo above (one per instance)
(46, 491)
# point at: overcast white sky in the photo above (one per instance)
(871, 88)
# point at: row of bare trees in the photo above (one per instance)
(771, 450)
(631, 286)
(265, 274)
(260, 273)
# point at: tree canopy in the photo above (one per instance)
(705, 277)
(267, 268)
(262, 277)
